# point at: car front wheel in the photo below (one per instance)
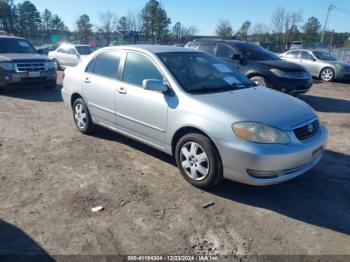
(82, 117)
(260, 81)
(198, 161)
(327, 74)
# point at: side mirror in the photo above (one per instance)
(237, 57)
(154, 85)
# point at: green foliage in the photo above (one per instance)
(155, 21)
(243, 31)
(224, 29)
(311, 29)
(84, 27)
(29, 19)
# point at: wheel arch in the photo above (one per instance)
(187, 130)
(323, 68)
(74, 97)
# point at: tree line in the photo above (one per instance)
(285, 28)
(152, 24)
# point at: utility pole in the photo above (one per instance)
(325, 23)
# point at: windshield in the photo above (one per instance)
(12, 45)
(84, 50)
(256, 53)
(324, 56)
(200, 72)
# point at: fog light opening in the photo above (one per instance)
(263, 174)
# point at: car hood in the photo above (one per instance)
(258, 104)
(282, 65)
(14, 57)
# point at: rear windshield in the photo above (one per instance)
(84, 50)
(11, 45)
(255, 52)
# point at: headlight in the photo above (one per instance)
(6, 66)
(49, 65)
(279, 73)
(260, 133)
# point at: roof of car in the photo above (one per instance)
(10, 36)
(219, 40)
(154, 48)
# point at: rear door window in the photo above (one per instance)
(306, 56)
(209, 48)
(105, 64)
(224, 51)
(293, 54)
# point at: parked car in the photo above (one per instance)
(20, 63)
(45, 49)
(296, 45)
(67, 55)
(320, 64)
(213, 120)
(259, 65)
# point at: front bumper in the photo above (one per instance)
(292, 86)
(342, 75)
(289, 161)
(8, 78)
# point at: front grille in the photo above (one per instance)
(30, 67)
(298, 74)
(307, 131)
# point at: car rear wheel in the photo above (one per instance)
(327, 74)
(198, 161)
(82, 117)
(260, 81)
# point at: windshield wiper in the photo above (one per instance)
(213, 90)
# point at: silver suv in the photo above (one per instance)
(20, 63)
(214, 121)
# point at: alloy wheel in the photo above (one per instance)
(194, 161)
(327, 75)
(80, 116)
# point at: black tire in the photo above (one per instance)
(213, 163)
(89, 125)
(57, 64)
(259, 80)
(327, 74)
(1, 89)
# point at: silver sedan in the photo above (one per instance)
(320, 64)
(214, 121)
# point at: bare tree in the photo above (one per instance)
(108, 25)
(284, 23)
(224, 29)
(260, 31)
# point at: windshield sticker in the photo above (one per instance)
(232, 80)
(23, 44)
(222, 68)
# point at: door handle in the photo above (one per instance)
(87, 80)
(121, 90)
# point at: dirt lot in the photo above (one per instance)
(51, 176)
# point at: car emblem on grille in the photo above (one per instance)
(310, 128)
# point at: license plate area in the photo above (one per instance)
(34, 74)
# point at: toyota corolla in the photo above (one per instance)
(214, 121)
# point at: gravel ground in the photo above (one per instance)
(51, 176)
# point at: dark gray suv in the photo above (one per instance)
(20, 63)
(258, 64)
